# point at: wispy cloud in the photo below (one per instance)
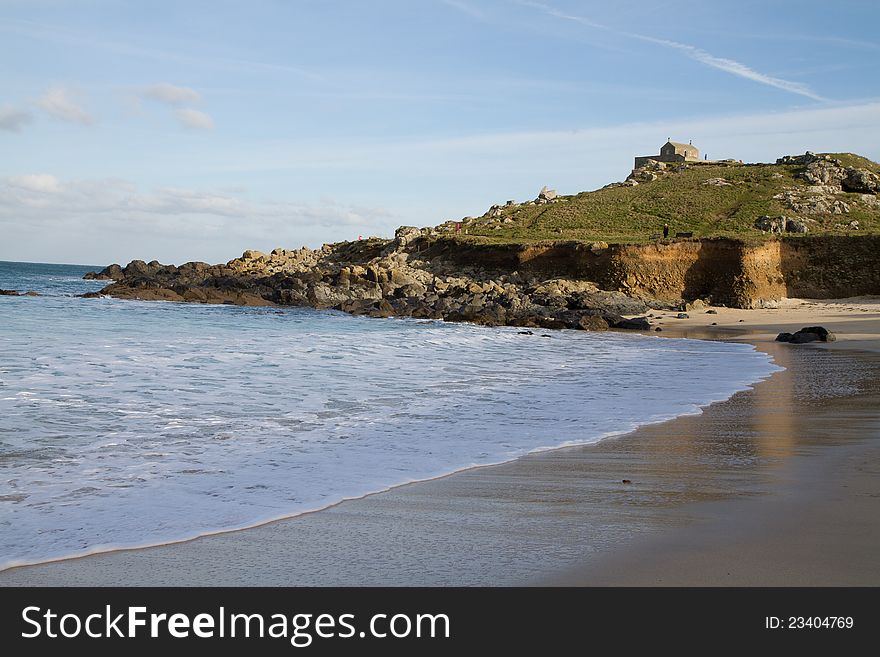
(732, 66)
(57, 34)
(724, 64)
(13, 119)
(465, 7)
(61, 103)
(171, 94)
(844, 42)
(194, 119)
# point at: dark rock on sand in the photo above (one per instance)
(824, 334)
(635, 324)
(802, 337)
(807, 334)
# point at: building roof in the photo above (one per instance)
(680, 145)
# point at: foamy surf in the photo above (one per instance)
(137, 424)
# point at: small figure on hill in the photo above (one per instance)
(665, 231)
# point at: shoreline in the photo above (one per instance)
(104, 550)
(692, 328)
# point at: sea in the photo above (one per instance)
(128, 423)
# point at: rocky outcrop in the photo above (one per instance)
(578, 285)
(407, 276)
(831, 174)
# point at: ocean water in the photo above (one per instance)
(127, 423)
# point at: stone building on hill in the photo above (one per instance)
(671, 151)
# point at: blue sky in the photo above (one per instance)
(195, 130)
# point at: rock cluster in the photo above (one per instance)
(649, 172)
(814, 200)
(382, 278)
(827, 171)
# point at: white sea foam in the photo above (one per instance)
(126, 423)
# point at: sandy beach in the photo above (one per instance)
(776, 486)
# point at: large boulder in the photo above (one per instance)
(861, 181)
(592, 323)
(770, 224)
(795, 226)
(802, 337)
(635, 324)
(406, 234)
(807, 334)
(110, 273)
(824, 334)
(547, 194)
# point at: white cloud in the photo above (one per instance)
(36, 182)
(61, 103)
(171, 94)
(194, 119)
(14, 120)
(100, 220)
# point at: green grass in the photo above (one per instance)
(857, 161)
(681, 199)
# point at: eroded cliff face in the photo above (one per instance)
(749, 275)
(727, 271)
(831, 267)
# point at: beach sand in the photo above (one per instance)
(776, 486)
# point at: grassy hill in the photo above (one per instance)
(688, 202)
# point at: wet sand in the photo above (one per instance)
(776, 486)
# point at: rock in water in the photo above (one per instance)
(110, 273)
